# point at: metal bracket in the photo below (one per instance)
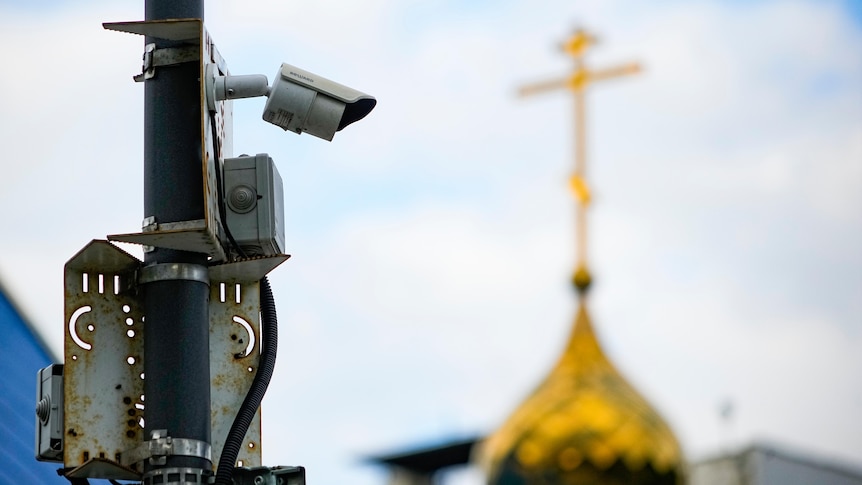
(262, 475)
(104, 329)
(99, 468)
(161, 446)
(188, 39)
(168, 56)
(192, 236)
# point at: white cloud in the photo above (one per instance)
(432, 242)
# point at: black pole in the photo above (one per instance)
(176, 337)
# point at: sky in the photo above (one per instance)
(432, 242)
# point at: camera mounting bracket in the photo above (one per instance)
(188, 31)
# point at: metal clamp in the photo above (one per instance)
(176, 476)
(173, 271)
(168, 56)
(149, 224)
(161, 446)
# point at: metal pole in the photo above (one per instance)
(176, 337)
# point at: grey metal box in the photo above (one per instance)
(49, 414)
(254, 202)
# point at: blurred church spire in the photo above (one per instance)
(584, 424)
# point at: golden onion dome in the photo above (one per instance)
(585, 424)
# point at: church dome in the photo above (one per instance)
(585, 424)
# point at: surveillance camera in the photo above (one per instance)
(300, 101)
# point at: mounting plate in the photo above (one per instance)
(204, 235)
(104, 360)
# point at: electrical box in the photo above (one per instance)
(49, 414)
(254, 202)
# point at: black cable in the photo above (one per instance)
(265, 368)
(220, 186)
(269, 344)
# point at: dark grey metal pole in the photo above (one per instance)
(176, 337)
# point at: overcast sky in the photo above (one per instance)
(432, 242)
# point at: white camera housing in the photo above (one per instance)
(301, 101)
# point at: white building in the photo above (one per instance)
(769, 465)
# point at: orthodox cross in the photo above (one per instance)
(577, 82)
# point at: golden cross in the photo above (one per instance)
(577, 82)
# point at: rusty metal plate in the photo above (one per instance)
(104, 342)
(104, 346)
(234, 356)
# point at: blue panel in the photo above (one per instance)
(21, 357)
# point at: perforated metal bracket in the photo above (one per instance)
(162, 446)
(104, 409)
(103, 373)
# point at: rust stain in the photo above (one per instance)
(98, 380)
(230, 377)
